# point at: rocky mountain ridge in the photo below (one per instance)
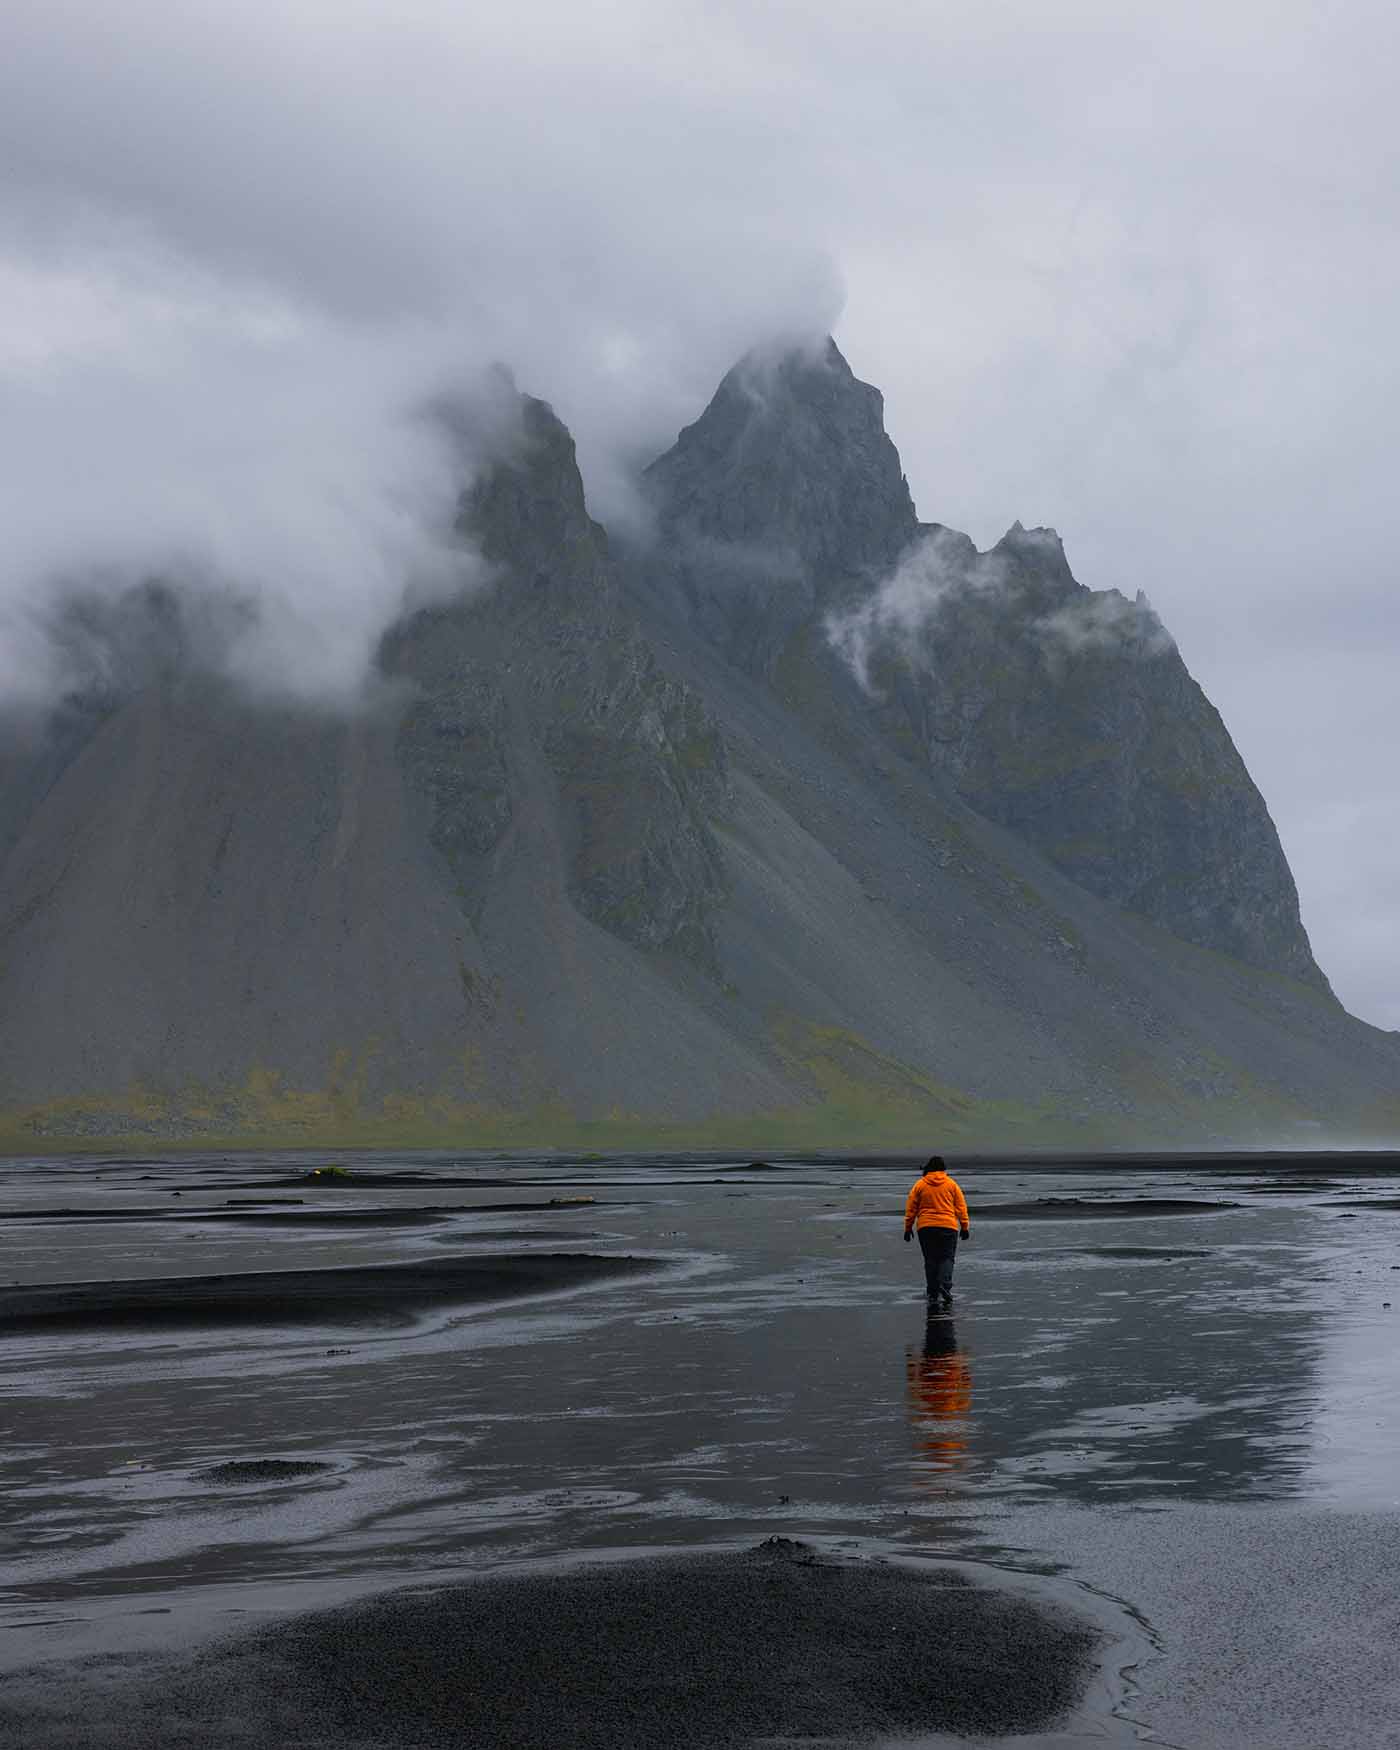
(636, 843)
(1063, 713)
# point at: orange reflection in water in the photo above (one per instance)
(940, 1397)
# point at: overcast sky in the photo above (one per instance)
(1128, 270)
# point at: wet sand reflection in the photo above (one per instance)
(940, 1398)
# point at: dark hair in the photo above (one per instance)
(936, 1164)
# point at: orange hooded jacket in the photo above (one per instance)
(935, 1200)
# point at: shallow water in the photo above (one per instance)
(1230, 1368)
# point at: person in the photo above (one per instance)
(937, 1210)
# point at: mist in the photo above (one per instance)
(1129, 275)
(224, 310)
(903, 616)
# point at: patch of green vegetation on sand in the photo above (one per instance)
(846, 1112)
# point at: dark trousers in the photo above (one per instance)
(939, 1246)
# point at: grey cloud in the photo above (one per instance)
(1105, 621)
(244, 255)
(286, 469)
(901, 612)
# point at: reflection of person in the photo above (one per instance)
(940, 1396)
(937, 1210)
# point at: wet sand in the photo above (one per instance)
(1077, 1209)
(354, 1217)
(300, 1296)
(361, 1179)
(239, 1472)
(770, 1644)
(1201, 1426)
(1089, 1209)
(1144, 1254)
(255, 1210)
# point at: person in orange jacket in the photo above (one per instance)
(937, 1209)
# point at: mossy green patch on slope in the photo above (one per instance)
(860, 1098)
(854, 1079)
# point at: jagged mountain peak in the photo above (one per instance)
(1040, 538)
(1036, 557)
(791, 458)
(784, 496)
(772, 381)
(1061, 712)
(526, 505)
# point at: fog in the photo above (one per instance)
(903, 616)
(1129, 274)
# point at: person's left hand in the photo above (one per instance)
(907, 1236)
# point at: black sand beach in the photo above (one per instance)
(524, 1498)
(260, 1209)
(291, 1296)
(770, 1644)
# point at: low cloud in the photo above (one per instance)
(294, 478)
(1105, 621)
(240, 255)
(905, 616)
(901, 615)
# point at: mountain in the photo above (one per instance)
(805, 822)
(784, 491)
(1063, 713)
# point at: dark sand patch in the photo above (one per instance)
(1080, 1208)
(555, 1203)
(1285, 1190)
(1070, 1209)
(692, 1653)
(1367, 1203)
(1142, 1254)
(495, 1234)
(324, 1217)
(378, 1215)
(1160, 1254)
(260, 1217)
(280, 1297)
(355, 1180)
(261, 1470)
(70, 1212)
(361, 1217)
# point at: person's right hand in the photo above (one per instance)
(967, 1233)
(907, 1236)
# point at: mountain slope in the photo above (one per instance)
(228, 914)
(583, 863)
(1063, 713)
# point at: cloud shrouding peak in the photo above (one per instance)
(245, 253)
(1126, 271)
(238, 455)
(906, 614)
